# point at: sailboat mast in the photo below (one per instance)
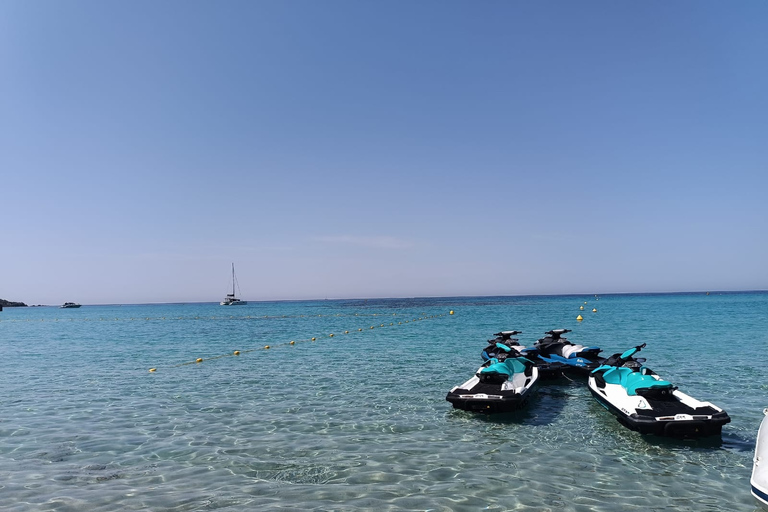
(233, 279)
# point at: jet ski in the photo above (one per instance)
(554, 348)
(644, 402)
(759, 479)
(499, 386)
(504, 346)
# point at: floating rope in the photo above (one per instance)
(197, 317)
(292, 342)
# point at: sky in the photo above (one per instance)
(351, 149)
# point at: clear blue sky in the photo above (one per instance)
(378, 149)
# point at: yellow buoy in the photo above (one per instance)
(578, 318)
(153, 369)
(330, 335)
(581, 308)
(237, 352)
(594, 310)
(199, 360)
(360, 329)
(346, 332)
(313, 339)
(382, 325)
(585, 302)
(266, 346)
(371, 327)
(451, 312)
(293, 342)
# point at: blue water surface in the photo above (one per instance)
(359, 420)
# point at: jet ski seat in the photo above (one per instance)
(498, 372)
(635, 382)
(573, 351)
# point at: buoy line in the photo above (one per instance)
(305, 340)
(197, 317)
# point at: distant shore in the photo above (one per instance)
(10, 304)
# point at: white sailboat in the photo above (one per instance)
(230, 299)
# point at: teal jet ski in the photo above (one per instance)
(644, 402)
(498, 386)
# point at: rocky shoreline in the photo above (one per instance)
(10, 304)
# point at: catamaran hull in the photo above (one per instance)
(671, 424)
(234, 303)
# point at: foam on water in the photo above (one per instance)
(360, 421)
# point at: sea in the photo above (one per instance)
(340, 405)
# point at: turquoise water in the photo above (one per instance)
(359, 421)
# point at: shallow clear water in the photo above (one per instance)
(359, 420)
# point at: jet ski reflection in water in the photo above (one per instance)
(643, 402)
(554, 348)
(497, 386)
(505, 346)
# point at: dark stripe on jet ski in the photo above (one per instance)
(760, 495)
(488, 406)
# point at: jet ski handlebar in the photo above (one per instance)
(507, 334)
(626, 356)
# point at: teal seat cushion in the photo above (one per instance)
(632, 381)
(509, 367)
(500, 368)
(636, 380)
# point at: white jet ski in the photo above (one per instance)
(759, 480)
(643, 402)
(498, 387)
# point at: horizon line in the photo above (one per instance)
(406, 298)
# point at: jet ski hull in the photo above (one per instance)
(577, 365)
(487, 403)
(492, 398)
(759, 479)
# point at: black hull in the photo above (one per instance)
(550, 371)
(487, 405)
(580, 371)
(668, 428)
